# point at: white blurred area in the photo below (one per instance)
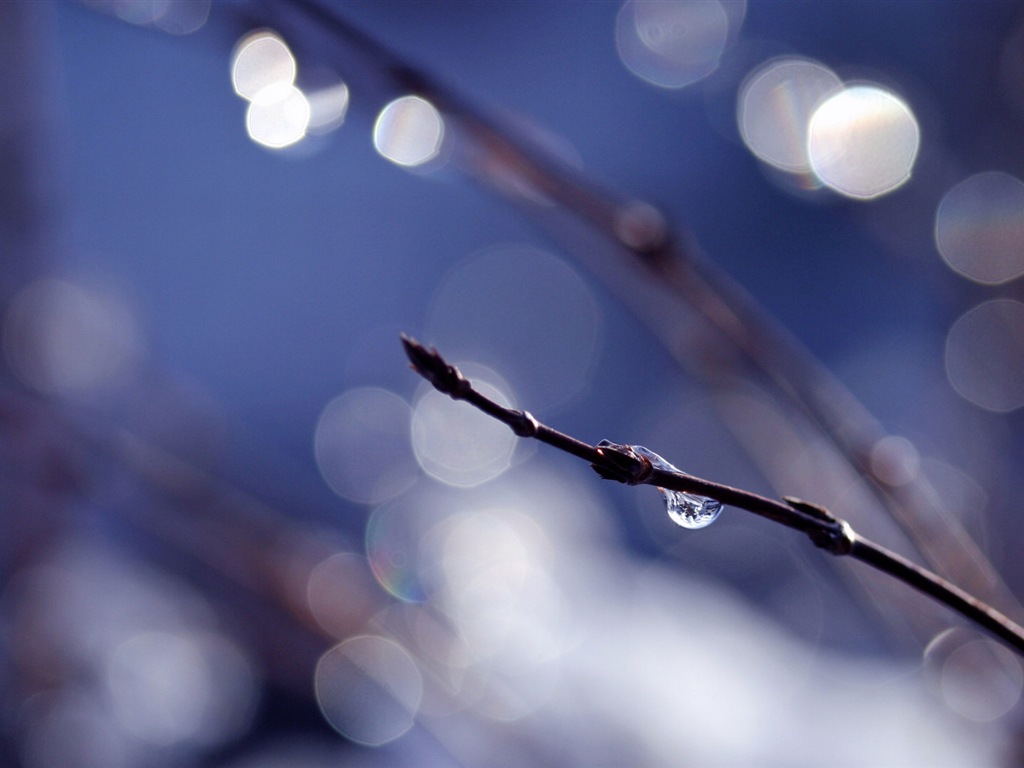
(858, 140)
(410, 132)
(775, 106)
(458, 445)
(506, 600)
(263, 71)
(863, 141)
(280, 114)
(145, 671)
(529, 615)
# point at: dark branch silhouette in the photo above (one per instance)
(625, 465)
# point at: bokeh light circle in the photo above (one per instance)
(156, 680)
(278, 116)
(184, 18)
(979, 228)
(975, 677)
(61, 337)
(775, 107)
(409, 131)
(261, 60)
(369, 689)
(73, 729)
(174, 687)
(501, 598)
(524, 312)
(327, 108)
(341, 593)
(895, 460)
(362, 445)
(178, 17)
(457, 444)
(394, 548)
(862, 142)
(985, 355)
(671, 43)
(965, 693)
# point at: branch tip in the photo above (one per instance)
(429, 364)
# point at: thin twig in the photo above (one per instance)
(621, 463)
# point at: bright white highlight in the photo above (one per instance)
(263, 72)
(278, 116)
(261, 60)
(409, 131)
(862, 142)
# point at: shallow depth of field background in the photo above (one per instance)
(239, 532)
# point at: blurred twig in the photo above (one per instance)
(621, 463)
(731, 337)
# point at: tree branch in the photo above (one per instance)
(748, 344)
(625, 465)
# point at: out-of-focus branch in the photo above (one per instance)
(622, 463)
(733, 337)
(737, 340)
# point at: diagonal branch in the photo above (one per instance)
(610, 233)
(746, 340)
(623, 464)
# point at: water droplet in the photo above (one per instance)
(685, 509)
